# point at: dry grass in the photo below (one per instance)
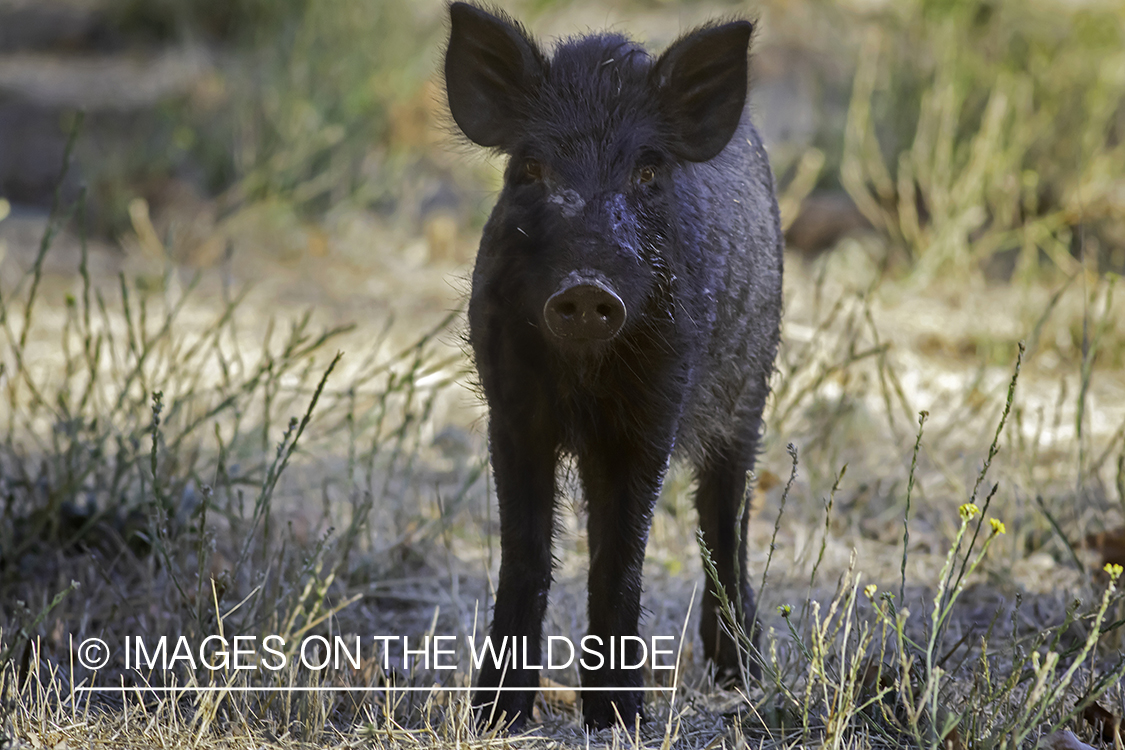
(193, 456)
(270, 489)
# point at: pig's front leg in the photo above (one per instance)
(622, 483)
(524, 454)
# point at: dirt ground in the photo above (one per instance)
(952, 347)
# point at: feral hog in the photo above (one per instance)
(625, 305)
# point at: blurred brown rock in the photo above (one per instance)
(1110, 546)
(825, 218)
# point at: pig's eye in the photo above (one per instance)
(532, 169)
(645, 175)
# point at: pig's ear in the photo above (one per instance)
(492, 70)
(701, 81)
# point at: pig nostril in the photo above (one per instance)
(584, 311)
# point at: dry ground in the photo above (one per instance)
(862, 355)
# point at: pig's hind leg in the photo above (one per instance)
(723, 515)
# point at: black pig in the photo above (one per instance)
(625, 303)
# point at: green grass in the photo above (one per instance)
(978, 129)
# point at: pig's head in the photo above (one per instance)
(597, 136)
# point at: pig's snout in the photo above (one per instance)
(584, 308)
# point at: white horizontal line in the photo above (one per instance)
(387, 689)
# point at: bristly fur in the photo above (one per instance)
(640, 180)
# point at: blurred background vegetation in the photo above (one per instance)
(973, 136)
(951, 175)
